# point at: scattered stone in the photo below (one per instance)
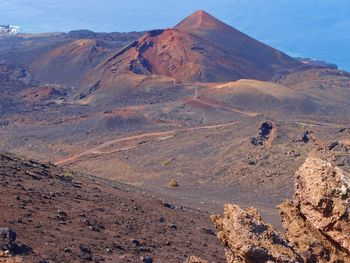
(85, 253)
(118, 222)
(67, 250)
(252, 162)
(147, 259)
(87, 257)
(194, 259)
(117, 246)
(5, 254)
(169, 205)
(61, 215)
(93, 224)
(84, 249)
(55, 242)
(34, 175)
(333, 145)
(144, 249)
(308, 136)
(173, 226)
(135, 242)
(208, 231)
(7, 239)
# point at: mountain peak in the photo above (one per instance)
(200, 19)
(200, 48)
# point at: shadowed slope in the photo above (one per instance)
(69, 62)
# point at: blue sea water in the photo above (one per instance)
(309, 28)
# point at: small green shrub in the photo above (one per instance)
(173, 183)
(166, 163)
(68, 174)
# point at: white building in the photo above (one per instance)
(9, 29)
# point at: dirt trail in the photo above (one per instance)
(87, 215)
(313, 123)
(96, 149)
(171, 133)
(216, 104)
(213, 103)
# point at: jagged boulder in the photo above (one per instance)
(311, 243)
(316, 221)
(248, 239)
(323, 197)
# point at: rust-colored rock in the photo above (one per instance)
(322, 193)
(316, 221)
(248, 239)
(311, 243)
(194, 259)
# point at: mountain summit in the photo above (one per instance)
(200, 48)
(201, 19)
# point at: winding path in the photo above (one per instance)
(96, 149)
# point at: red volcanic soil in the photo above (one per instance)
(64, 217)
(202, 20)
(200, 48)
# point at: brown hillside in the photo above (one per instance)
(69, 62)
(63, 217)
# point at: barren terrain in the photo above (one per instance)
(140, 110)
(65, 217)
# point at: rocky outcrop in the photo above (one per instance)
(308, 136)
(266, 134)
(249, 239)
(322, 194)
(316, 221)
(311, 243)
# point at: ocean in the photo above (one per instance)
(316, 29)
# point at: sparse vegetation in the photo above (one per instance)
(167, 163)
(68, 173)
(173, 183)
